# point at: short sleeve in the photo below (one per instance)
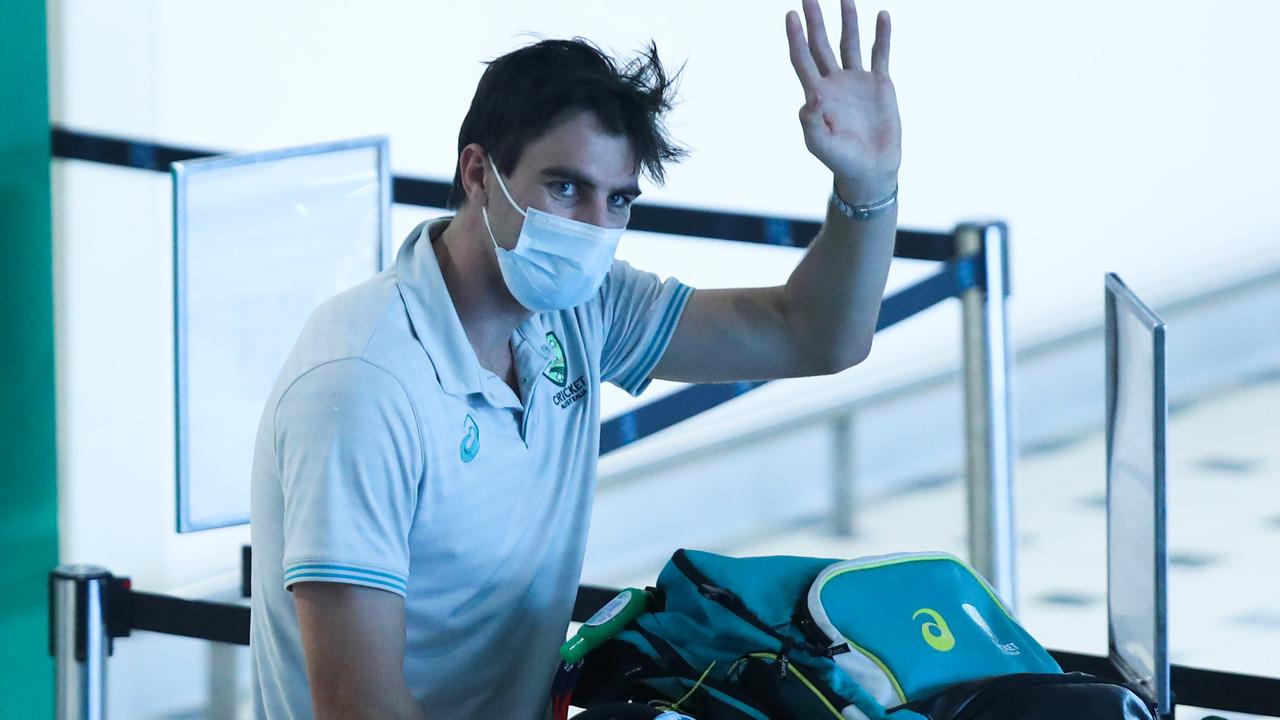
(641, 311)
(350, 458)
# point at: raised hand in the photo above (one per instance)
(850, 116)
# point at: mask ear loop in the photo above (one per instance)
(503, 185)
(484, 209)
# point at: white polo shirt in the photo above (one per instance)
(388, 457)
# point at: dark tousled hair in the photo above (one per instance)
(526, 92)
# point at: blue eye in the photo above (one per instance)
(565, 188)
(622, 201)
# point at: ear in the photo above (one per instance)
(473, 163)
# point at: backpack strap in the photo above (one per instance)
(666, 652)
(803, 620)
(734, 604)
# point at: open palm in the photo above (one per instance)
(850, 116)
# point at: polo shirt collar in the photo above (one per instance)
(435, 319)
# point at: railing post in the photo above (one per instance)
(988, 408)
(223, 685)
(78, 640)
(843, 474)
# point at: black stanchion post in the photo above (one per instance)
(246, 571)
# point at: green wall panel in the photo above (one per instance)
(28, 475)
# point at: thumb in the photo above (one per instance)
(810, 122)
(811, 113)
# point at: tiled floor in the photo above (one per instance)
(1224, 528)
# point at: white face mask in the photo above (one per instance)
(557, 263)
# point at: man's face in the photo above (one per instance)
(576, 170)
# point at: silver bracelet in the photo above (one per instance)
(862, 212)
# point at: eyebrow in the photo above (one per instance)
(573, 175)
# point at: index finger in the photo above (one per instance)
(850, 43)
(801, 59)
(880, 51)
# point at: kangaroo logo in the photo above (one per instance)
(935, 631)
(470, 440)
(558, 371)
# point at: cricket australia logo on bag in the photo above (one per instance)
(1006, 648)
(558, 373)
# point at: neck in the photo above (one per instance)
(488, 313)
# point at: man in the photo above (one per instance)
(425, 464)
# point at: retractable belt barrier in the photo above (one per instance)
(956, 275)
(89, 607)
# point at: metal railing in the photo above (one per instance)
(973, 267)
(89, 607)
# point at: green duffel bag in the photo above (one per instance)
(787, 637)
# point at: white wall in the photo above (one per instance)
(1135, 137)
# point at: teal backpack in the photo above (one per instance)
(795, 637)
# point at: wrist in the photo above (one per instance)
(865, 210)
(865, 191)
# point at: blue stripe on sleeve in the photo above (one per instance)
(344, 568)
(338, 572)
(634, 381)
(343, 577)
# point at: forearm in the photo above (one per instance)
(389, 706)
(832, 298)
(403, 707)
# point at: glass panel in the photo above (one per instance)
(262, 241)
(1132, 496)
(1136, 491)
